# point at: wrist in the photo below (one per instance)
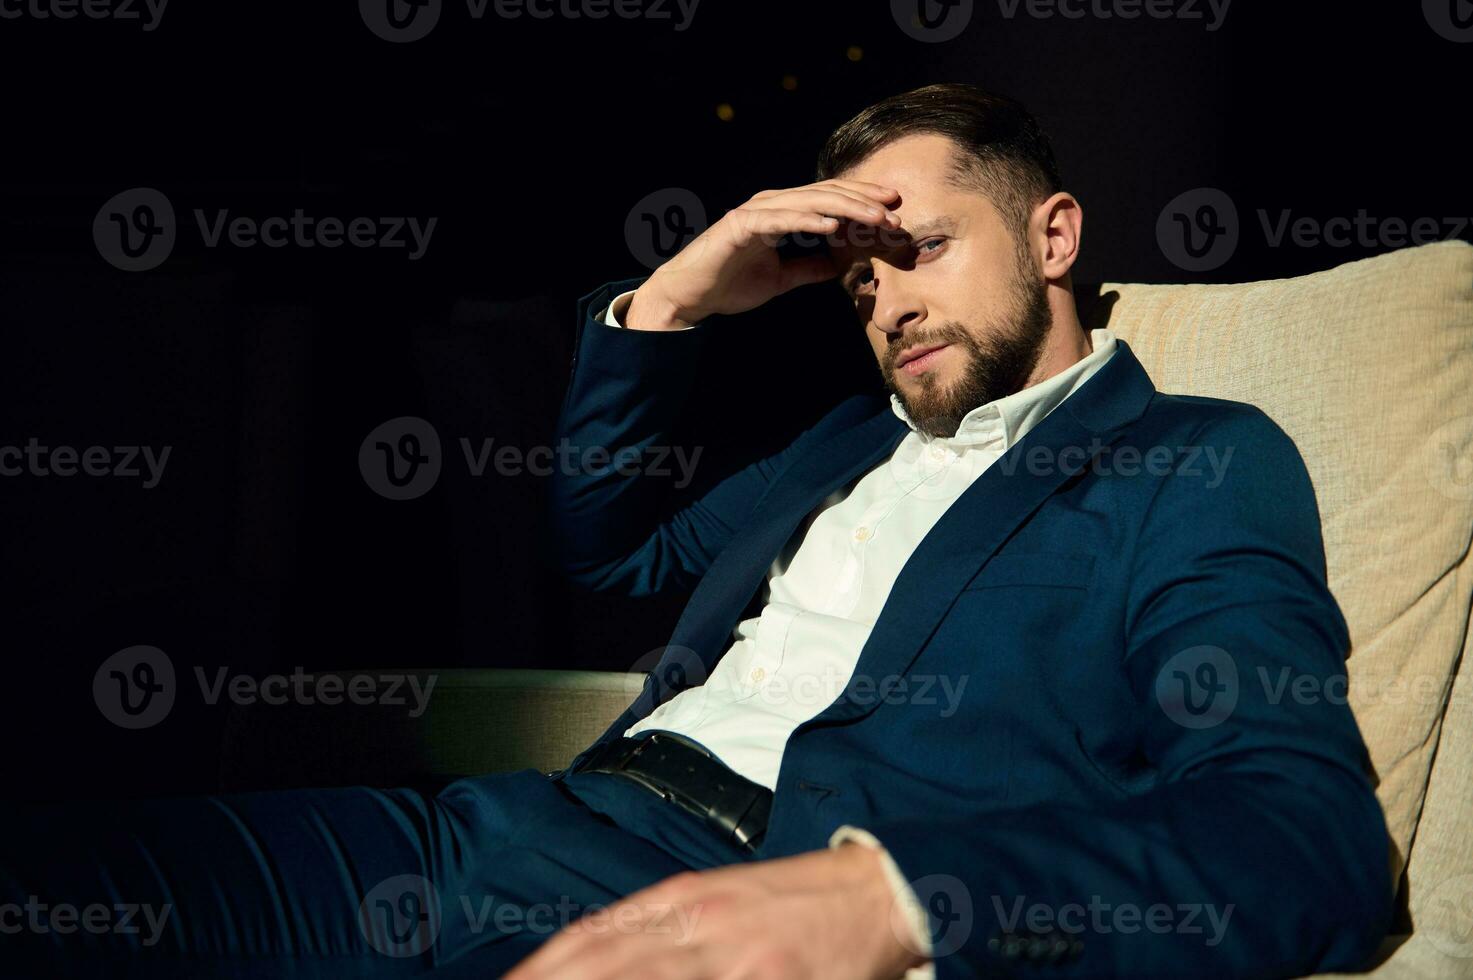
(649, 310)
(862, 870)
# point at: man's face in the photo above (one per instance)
(952, 280)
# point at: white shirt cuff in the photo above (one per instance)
(606, 315)
(904, 894)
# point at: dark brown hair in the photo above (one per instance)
(1000, 149)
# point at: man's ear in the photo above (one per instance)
(1060, 221)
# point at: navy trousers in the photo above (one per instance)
(333, 883)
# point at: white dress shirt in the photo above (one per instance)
(825, 590)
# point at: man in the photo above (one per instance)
(975, 530)
(968, 682)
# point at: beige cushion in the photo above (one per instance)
(1367, 367)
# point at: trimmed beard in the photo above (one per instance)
(998, 363)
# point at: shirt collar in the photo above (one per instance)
(1003, 421)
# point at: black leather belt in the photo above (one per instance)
(684, 773)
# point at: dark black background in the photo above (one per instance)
(262, 549)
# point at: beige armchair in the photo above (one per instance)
(1367, 366)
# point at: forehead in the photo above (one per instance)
(920, 168)
(913, 163)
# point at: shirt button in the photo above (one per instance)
(862, 533)
(757, 674)
(937, 452)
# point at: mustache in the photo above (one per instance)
(947, 333)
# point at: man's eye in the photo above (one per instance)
(862, 279)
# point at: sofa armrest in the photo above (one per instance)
(426, 727)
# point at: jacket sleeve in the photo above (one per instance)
(1259, 848)
(615, 522)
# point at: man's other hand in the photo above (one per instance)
(822, 915)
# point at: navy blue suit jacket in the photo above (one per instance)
(1130, 756)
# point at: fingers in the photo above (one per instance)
(570, 942)
(615, 947)
(624, 957)
(837, 203)
(818, 214)
(772, 224)
(590, 937)
(878, 192)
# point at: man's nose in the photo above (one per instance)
(897, 307)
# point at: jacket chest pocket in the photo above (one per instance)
(1036, 569)
(1018, 623)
